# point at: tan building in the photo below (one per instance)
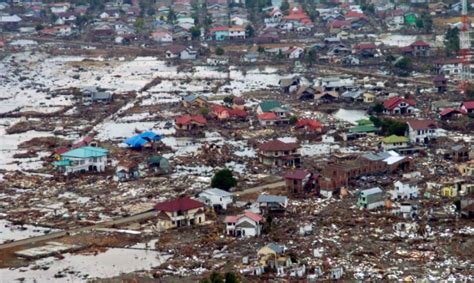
(180, 212)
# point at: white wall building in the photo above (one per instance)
(217, 197)
(404, 191)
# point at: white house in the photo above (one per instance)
(83, 159)
(404, 191)
(295, 52)
(217, 198)
(162, 36)
(394, 142)
(59, 8)
(422, 131)
(248, 224)
(237, 32)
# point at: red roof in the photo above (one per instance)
(238, 113)
(61, 150)
(218, 109)
(254, 216)
(180, 204)
(221, 28)
(365, 45)
(422, 124)
(393, 102)
(298, 174)
(309, 123)
(420, 43)
(187, 119)
(339, 24)
(469, 105)
(234, 218)
(450, 110)
(277, 145)
(268, 116)
(354, 14)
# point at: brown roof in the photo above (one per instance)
(422, 124)
(277, 145)
(180, 204)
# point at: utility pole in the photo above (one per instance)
(465, 48)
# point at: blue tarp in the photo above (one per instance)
(141, 139)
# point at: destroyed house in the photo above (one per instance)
(179, 212)
(300, 182)
(279, 153)
(272, 204)
(159, 165)
(127, 171)
(248, 224)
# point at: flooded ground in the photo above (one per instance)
(80, 268)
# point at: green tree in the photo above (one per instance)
(231, 277)
(229, 100)
(171, 18)
(204, 111)
(378, 108)
(195, 32)
(249, 31)
(285, 7)
(403, 63)
(223, 180)
(469, 91)
(451, 42)
(39, 27)
(293, 119)
(139, 24)
(260, 49)
(311, 56)
(219, 51)
(216, 277)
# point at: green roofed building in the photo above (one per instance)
(394, 142)
(369, 128)
(83, 159)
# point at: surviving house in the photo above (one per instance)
(422, 131)
(180, 51)
(142, 140)
(84, 159)
(394, 142)
(179, 212)
(399, 105)
(194, 100)
(188, 122)
(92, 94)
(404, 191)
(279, 153)
(371, 198)
(440, 82)
(418, 48)
(248, 224)
(224, 113)
(272, 204)
(272, 112)
(309, 125)
(301, 182)
(217, 198)
(468, 106)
